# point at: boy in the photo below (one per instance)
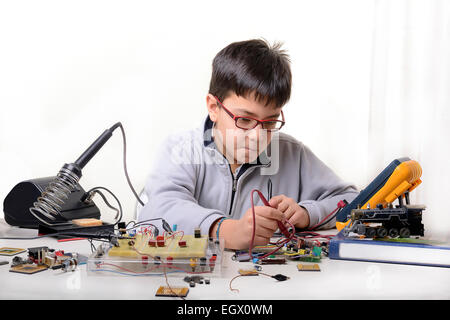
(203, 178)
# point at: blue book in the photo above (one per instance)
(396, 250)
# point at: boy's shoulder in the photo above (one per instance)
(184, 136)
(290, 142)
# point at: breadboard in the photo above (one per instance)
(139, 255)
(195, 247)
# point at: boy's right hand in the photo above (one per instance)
(238, 233)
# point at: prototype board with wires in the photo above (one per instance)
(139, 246)
(143, 254)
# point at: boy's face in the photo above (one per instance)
(238, 145)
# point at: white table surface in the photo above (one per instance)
(336, 280)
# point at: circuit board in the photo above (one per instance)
(193, 247)
(28, 268)
(143, 254)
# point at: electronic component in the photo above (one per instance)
(243, 256)
(67, 265)
(280, 277)
(7, 251)
(199, 255)
(271, 261)
(249, 272)
(28, 268)
(19, 260)
(196, 279)
(164, 291)
(196, 248)
(308, 254)
(308, 267)
(42, 258)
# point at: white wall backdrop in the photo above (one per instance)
(370, 83)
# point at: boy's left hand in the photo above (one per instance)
(294, 213)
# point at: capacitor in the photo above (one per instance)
(160, 242)
(193, 263)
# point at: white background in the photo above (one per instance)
(370, 84)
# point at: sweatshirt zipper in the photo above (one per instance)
(233, 191)
(235, 181)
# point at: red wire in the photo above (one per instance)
(324, 219)
(282, 227)
(289, 236)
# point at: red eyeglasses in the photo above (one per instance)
(248, 123)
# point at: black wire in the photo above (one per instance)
(106, 201)
(31, 238)
(140, 225)
(125, 162)
(92, 245)
(132, 221)
(269, 189)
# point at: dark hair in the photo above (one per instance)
(252, 66)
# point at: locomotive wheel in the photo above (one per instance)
(371, 232)
(382, 232)
(405, 233)
(393, 232)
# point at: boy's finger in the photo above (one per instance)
(260, 241)
(264, 232)
(289, 212)
(269, 212)
(283, 206)
(269, 224)
(274, 201)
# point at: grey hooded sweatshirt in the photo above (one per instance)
(191, 184)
